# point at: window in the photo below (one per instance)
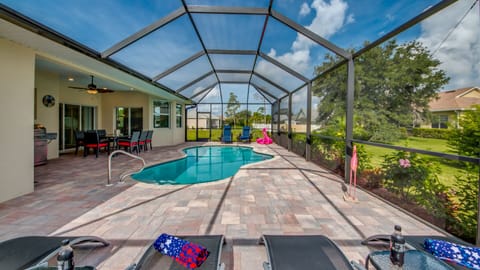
(128, 119)
(179, 115)
(440, 121)
(161, 114)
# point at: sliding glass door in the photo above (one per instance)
(71, 118)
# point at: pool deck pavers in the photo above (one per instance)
(285, 195)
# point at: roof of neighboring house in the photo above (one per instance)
(453, 100)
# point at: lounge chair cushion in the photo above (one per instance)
(188, 254)
(463, 255)
(152, 259)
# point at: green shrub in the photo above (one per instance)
(415, 179)
(387, 133)
(464, 207)
(434, 133)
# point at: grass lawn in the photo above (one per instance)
(447, 169)
(436, 145)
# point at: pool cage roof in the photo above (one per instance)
(202, 49)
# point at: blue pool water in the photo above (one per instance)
(202, 164)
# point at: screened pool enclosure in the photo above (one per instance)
(320, 76)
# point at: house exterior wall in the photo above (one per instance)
(473, 94)
(17, 69)
(23, 88)
(167, 136)
(48, 84)
(110, 101)
(452, 119)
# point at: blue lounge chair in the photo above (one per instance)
(246, 135)
(227, 134)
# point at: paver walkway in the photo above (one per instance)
(285, 195)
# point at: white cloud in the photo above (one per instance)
(304, 9)
(460, 52)
(350, 19)
(330, 17)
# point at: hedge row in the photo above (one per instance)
(434, 133)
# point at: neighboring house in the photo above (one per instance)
(204, 120)
(448, 108)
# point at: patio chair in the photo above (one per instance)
(382, 241)
(130, 143)
(102, 133)
(29, 251)
(142, 140)
(148, 141)
(152, 259)
(246, 134)
(79, 139)
(227, 134)
(92, 140)
(291, 252)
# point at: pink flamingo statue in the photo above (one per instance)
(353, 176)
(265, 139)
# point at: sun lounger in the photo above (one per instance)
(246, 135)
(152, 259)
(227, 134)
(28, 251)
(382, 241)
(291, 252)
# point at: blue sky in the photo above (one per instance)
(346, 23)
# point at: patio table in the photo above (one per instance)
(414, 259)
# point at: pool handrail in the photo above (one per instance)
(122, 176)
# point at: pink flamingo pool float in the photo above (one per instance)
(265, 139)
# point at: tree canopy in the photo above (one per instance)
(393, 84)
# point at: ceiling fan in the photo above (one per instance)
(92, 88)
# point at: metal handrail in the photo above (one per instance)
(122, 176)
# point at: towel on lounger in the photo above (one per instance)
(187, 254)
(463, 255)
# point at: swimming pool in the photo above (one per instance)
(202, 164)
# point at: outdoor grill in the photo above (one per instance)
(41, 140)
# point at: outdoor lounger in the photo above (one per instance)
(152, 259)
(382, 241)
(292, 252)
(227, 134)
(29, 251)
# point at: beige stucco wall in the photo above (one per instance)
(48, 84)
(17, 68)
(167, 136)
(121, 99)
